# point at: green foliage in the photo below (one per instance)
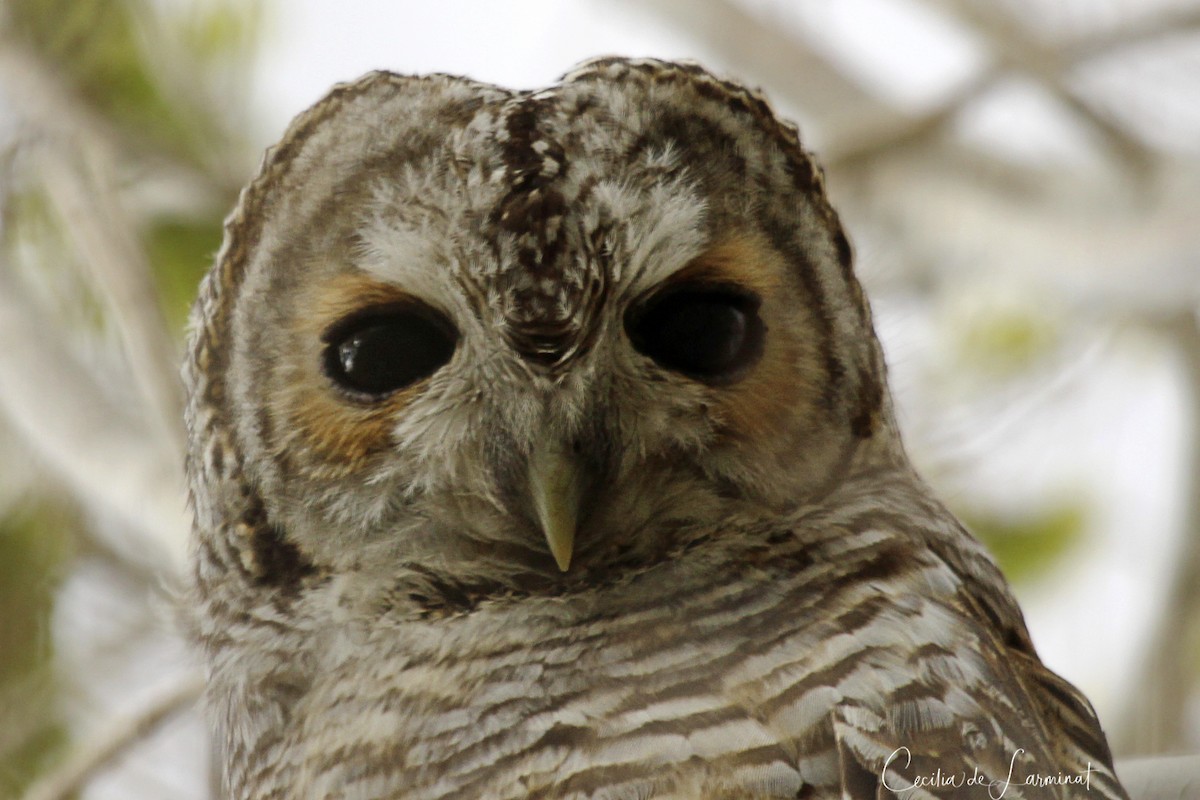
(1029, 546)
(95, 45)
(156, 88)
(218, 30)
(34, 548)
(33, 229)
(181, 250)
(31, 756)
(1006, 341)
(100, 49)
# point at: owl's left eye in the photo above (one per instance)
(712, 334)
(381, 350)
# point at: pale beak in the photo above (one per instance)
(556, 485)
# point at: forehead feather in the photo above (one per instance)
(532, 207)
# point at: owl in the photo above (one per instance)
(540, 447)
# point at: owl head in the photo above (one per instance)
(465, 339)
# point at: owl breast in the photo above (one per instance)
(688, 680)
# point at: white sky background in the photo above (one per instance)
(521, 44)
(1111, 428)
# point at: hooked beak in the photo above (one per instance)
(556, 484)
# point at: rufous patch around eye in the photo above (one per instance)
(343, 433)
(789, 375)
(745, 260)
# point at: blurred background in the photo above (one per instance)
(1021, 179)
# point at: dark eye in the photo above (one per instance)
(712, 334)
(380, 350)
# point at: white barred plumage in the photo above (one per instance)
(540, 447)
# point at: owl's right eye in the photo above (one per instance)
(381, 350)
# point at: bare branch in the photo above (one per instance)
(116, 265)
(77, 167)
(911, 131)
(121, 458)
(101, 449)
(798, 75)
(120, 737)
(1155, 717)
(44, 104)
(1072, 232)
(1018, 51)
(48, 106)
(1167, 23)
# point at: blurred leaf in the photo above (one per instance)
(94, 45)
(1006, 341)
(165, 85)
(181, 251)
(1029, 546)
(31, 757)
(216, 30)
(101, 49)
(34, 548)
(47, 261)
(31, 550)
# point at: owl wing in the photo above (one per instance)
(899, 665)
(986, 721)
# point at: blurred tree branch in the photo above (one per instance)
(843, 110)
(124, 146)
(101, 448)
(1155, 718)
(112, 257)
(75, 160)
(1017, 51)
(116, 739)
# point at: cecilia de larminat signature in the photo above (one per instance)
(997, 787)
